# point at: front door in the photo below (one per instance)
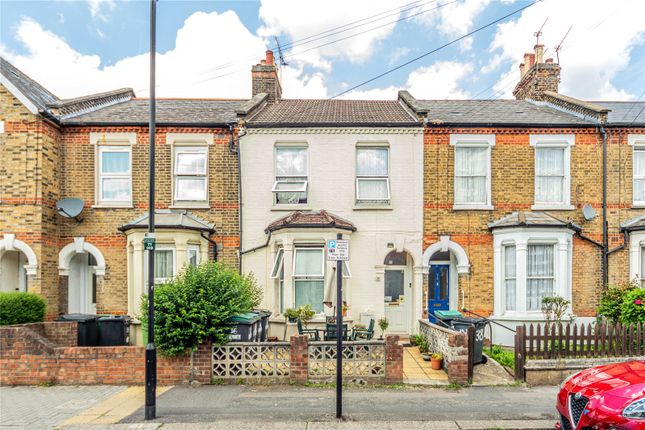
(396, 300)
(81, 287)
(438, 289)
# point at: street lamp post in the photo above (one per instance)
(151, 351)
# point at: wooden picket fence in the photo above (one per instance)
(540, 341)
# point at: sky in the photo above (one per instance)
(205, 49)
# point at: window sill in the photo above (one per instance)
(528, 316)
(473, 207)
(553, 207)
(190, 206)
(113, 206)
(279, 208)
(638, 206)
(372, 206)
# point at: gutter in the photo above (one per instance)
(335, 125)
(144, 124)
(256, 248)
(212, 242)
(127, 227)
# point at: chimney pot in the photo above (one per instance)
(270, 60)
(549, 60)
(539, 53)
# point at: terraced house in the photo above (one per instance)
(95, 148)
(488, 205)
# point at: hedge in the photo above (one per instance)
(21, 308)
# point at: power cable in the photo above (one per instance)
(452, 42)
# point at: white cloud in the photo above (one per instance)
(299, 19)
(100, 8)
(439, 81)
(596, 51)
(454, 19)
(398, 53)
(51, 61)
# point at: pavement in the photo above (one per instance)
(232, 407)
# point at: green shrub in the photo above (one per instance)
(503, 356)
(21, 308)
(632, 310)
(195, 306)
(612, 298)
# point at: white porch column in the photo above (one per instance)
(498, 299)
(417, 297)
(181, 249)
(564, 286)
(289, 293)
(135, 290)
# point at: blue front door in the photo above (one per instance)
(438, 289)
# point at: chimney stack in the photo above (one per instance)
(537, 75)
(264, 78)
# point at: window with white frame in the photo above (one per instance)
(190, 174)
(510, 273)
(472, 172)
(165, 264)
(642, 271)
(530, 265)
(291, 167)
(372, 174)
(552, 171)
(309, 277)
(192, 255)
(114, 175)
(638, 168)
(540, 275)
(277, 272)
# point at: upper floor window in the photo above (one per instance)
(191, 174)
(113, 168)
(638, 168)
(472, 184)
(372, 175)
(291, 167)
(552, 171)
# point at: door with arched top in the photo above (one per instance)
(81, 288)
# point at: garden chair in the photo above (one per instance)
(331, 331)
(364, 333)
(312, 333)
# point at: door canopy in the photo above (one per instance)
(79, 246)
(445, 244)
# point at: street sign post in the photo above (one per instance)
(338, 251)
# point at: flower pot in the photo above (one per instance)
(292, 320)
(426, 357)
(435, 363)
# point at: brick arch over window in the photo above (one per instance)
(10, 243)
(445, 244)
(79, 246)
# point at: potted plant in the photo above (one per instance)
(423, 349)
(291, 315)
(345, 308)
(305, 313)
(415, 339)
(383, 323)
(436, 361)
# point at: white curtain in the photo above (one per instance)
(291, 162)
(190, 163)
(549, 175)
(115, 162)
(639, 175)
(308, 262)
(369, 189)
(190, 188)
(371, 162)
(540, 271)
(163, 264)
(471, 168)
(115, 189)
(510, 277)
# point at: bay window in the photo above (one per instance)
(472, 171)
(540, 275)
(510, 271)
(291, 166)
(165, 267)
(309, 277)
(372, 177)
(552, 171)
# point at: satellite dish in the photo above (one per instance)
(70, 208)
(588, 212)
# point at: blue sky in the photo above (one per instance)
(206, 48)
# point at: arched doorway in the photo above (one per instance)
(13, 276)
(83, 264)
(398, 291)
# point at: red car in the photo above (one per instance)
(608, 397)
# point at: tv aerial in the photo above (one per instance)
(70, 208)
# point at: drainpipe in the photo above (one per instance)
(605, 232)
(235, 149)
(212, 242)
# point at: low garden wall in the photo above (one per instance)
(300, 360)
(452, 345)
(553, 372)
(46, 353)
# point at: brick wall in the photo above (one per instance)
(512, 174)
(28, 356)
(393, 360)
(452, 345)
